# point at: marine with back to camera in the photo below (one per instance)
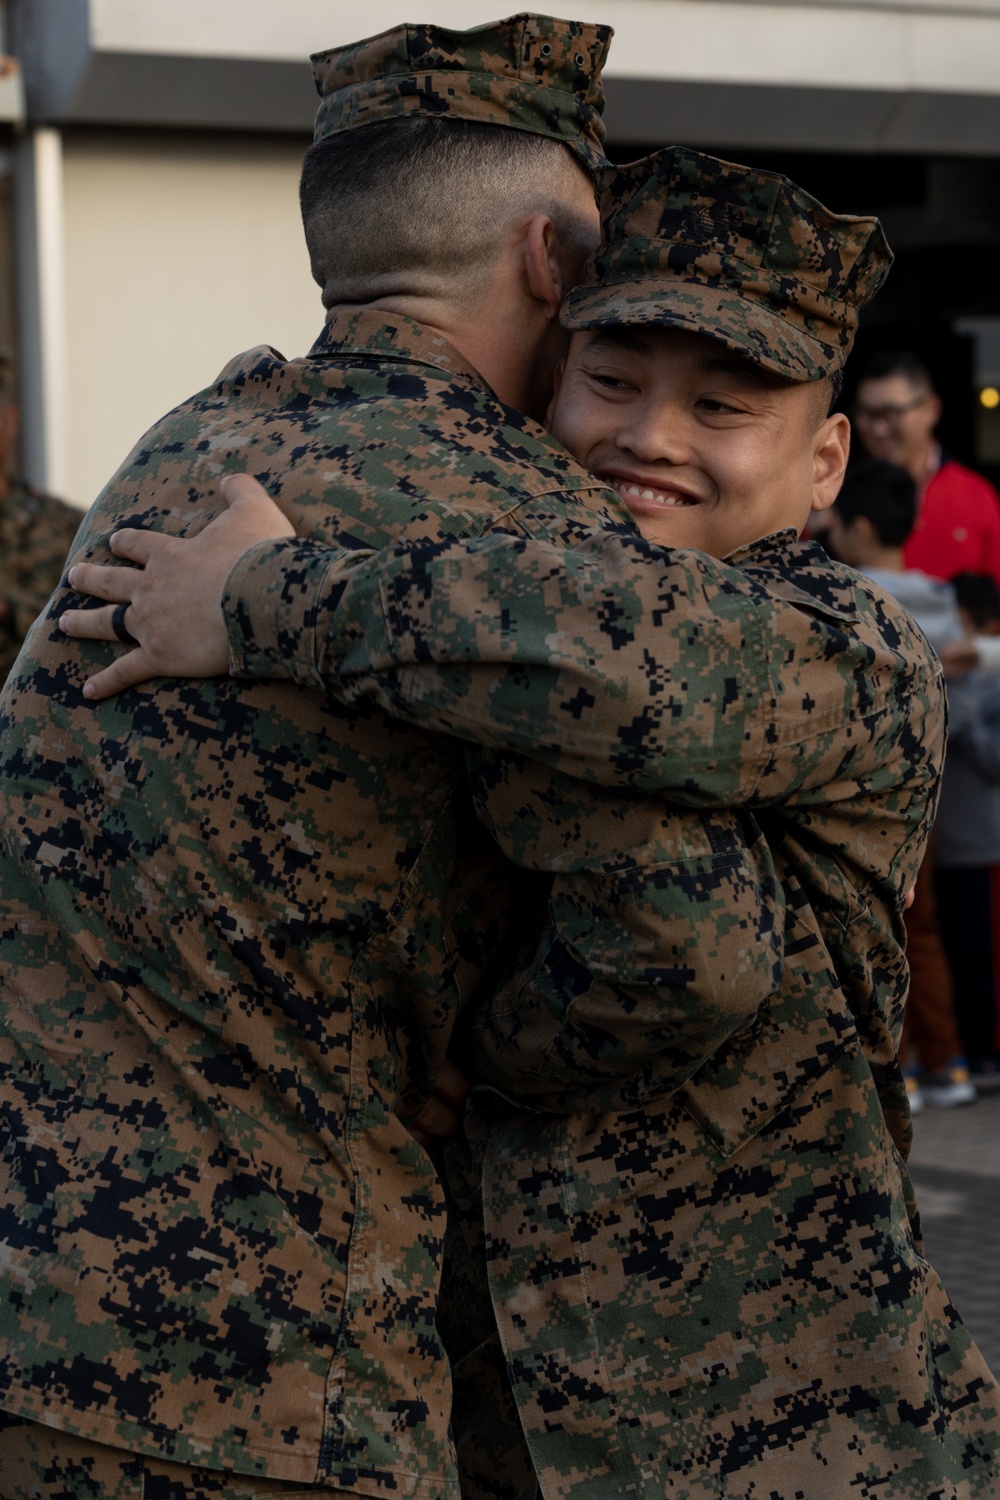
(239, 921)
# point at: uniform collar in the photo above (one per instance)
(372, 333)
(775, 541)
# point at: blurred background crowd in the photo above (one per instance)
(927, 527)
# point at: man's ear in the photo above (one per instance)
(831, 450)
(541, 266)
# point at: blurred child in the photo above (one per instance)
(869, 523)
(967, 861)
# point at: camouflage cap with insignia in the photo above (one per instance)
(529, 72)
(740, 255)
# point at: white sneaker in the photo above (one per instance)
(949, 1087)
(913, 1094)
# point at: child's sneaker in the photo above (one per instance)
(949, 1086)
(913, 1093)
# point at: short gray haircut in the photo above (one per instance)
(424, 206)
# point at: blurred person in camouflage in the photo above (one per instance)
(701, 1244)
(239, 921)
(36, 532)
(896, 412)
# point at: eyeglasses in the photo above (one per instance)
(888, 416)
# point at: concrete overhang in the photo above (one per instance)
(896, 75)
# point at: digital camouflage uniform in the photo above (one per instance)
(239, 922)
(703, 1253)
(36, 533)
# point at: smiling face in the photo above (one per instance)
(705, 449)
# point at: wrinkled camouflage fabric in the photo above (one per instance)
(775, 684)
(528, 72)
(737, 254)
(240, 921)
(36, 533)
(40, 1463)
(689, 1323)
(707, 1283)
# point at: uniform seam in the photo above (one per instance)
(624, 1446)
(763, 648)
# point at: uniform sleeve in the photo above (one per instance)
(524, 645)
(614, 661)
(663, 938)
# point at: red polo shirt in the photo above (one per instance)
(958, 525)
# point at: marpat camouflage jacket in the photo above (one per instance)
(715, 1289)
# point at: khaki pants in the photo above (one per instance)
(929, 1028)
(41, 1463)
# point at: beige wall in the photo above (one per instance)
(928, 43)
(180, 252)
(183, 249)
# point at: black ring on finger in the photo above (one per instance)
(119, 627)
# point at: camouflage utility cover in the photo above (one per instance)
(741, 255)
(528, 72)
(703, 1253)
(36, 532)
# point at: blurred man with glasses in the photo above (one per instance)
(958, 511)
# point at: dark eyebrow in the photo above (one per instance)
(739, 369)
(633, 339)
(620, 337)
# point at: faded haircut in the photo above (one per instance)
(423, 206)
(829, 397)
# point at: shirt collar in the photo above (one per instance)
(775, 541)
(369, 332)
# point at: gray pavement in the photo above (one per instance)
(955, 1164)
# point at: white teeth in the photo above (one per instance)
(625, 490)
